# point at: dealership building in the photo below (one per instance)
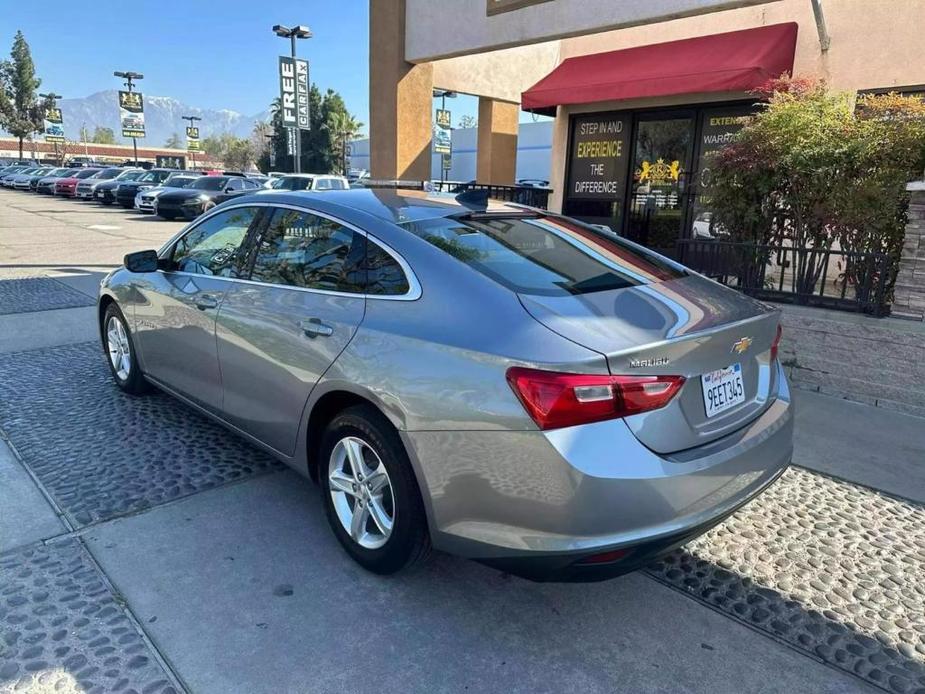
(640, 92)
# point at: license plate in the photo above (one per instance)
(722, 389)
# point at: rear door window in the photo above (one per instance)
(545, 256)
(299, 249)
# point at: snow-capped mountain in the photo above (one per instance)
(163, 117)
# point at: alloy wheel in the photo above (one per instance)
(120, 354)
(361, 492)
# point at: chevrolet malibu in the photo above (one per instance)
(490, 380)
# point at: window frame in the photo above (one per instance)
(258, 227)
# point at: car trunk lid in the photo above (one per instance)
(687, 326)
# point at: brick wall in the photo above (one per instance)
(909, 300)
(879, 361)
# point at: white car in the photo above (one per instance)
(308, 182)
(146, 200)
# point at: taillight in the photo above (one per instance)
(775, 346)
(557, 400)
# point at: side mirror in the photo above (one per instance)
(228, 189)
(141, 261)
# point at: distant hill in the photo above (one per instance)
(162, 117)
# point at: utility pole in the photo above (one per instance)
(443, 94)
(128, 77)
(51, 96)
(192, 124)
(296, 32)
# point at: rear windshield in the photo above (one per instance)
(543, 255)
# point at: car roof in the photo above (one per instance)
(393, 205)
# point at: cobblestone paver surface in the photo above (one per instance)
(62, 630)
(102, 453)
(38, 294)
(832, 568)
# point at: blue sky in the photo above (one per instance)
(211, 54)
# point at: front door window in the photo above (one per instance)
(659, 189)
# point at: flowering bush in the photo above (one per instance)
(814, 169)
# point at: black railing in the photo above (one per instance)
(844, 280)
(523, 195)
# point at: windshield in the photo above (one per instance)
(292, 183)
(180, 181)
(545, 256)
(107, 174)
(86, 173)
(209, 183)
(129, 175)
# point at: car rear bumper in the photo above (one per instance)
(540, 503)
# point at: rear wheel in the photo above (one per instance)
(120, 350)
(369, 492)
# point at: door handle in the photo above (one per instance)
(206, 301)
(313, 327)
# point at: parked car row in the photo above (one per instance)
(167, 193)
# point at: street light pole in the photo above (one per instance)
(51, 96)
(293, 33)
(192, 123)
(128, 77)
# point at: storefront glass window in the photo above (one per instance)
(661, 165)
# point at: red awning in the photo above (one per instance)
(736, 61)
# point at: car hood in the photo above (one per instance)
(68, 180)
(180, 194)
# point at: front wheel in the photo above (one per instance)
(120, 350)
(370, 494)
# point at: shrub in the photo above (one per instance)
(811, 169)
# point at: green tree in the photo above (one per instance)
(239, 154)
(320, 150)
(103, 136)
(174, 142)
(344, 128)
(21, 113)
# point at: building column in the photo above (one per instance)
(909, 292)
(400, 99)
(496, 162)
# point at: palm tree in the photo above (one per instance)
(345, 127)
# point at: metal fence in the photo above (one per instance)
(523, 195)
(843, 280)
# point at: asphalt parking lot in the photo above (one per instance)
(145, 549)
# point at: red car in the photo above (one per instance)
(68, 186)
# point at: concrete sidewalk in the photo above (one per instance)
(868, 445)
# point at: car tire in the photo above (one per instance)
(117, 345)
(407, 542)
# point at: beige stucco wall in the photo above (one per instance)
(443, 28)
(875, 43)
(503, 74)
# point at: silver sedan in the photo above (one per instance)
(486, 379)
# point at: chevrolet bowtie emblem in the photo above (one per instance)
(741, 346)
